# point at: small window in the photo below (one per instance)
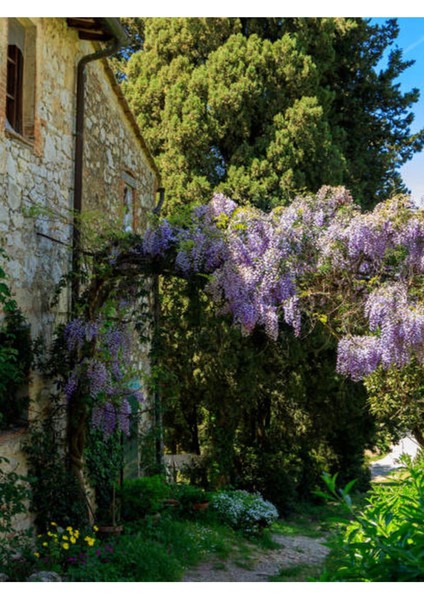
(20, 88)
(15, 69)
(128, 209)
(129, 195)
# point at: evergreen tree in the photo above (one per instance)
(262, 108)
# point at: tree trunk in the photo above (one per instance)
(419, 436)
(76, 437)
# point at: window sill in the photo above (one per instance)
(12, 134)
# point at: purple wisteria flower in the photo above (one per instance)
(71, 385)
(102, 373)
(104, 417)
(398, 327)
(218, 206)
(98, 377)
(124, 414)
(264, 267)
(358, 356)
(78, 331)
(75, 334)
(157, 241)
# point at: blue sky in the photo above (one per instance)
(411, 41)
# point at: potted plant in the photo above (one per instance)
(191, 498)
(113, 528)
(201, 505)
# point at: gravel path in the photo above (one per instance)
(293, 550)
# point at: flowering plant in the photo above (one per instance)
(243, 510)
(61, 547)
(358, 273)
(102, 372)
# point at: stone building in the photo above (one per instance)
(68, 142)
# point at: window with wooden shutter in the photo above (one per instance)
(14, 91)
(20, 85)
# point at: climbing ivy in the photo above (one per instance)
(15, 355)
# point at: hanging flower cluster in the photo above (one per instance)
(268, 267)
(319, 255)
(101, 373)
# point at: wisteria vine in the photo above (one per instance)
(268, 267)
(320, 256)
(102, 372)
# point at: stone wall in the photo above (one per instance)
(36, 179)
(112, 159)
(37, 171)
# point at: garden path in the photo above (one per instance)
(292, 551)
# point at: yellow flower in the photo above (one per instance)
(37, 554)
(76, 533)
(90, 541)
(66, 546)
(50, 534)
(95, 528)
(54, 524)
(64, 537)
(69, 529)
(73, 540)
(45, 544)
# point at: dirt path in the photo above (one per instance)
(292, 551)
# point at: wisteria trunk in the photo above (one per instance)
(76, 439)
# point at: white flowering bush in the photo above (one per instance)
(244, 511)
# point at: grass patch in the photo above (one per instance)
(312, 520)
(301, 572)
(219, 566)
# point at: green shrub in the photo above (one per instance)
(152, 550)
(16, 552)
(104, 460)
(384, 542)
(241, 510)
(16, 355)
(143, 496)
(56, 494)
(187, 496)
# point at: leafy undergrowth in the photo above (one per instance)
(162, 549)
(314, 520)
(384, 541)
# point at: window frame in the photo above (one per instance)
(14, 87)
(129, 186)
(20, 92)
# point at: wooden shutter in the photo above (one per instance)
(15, 69)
